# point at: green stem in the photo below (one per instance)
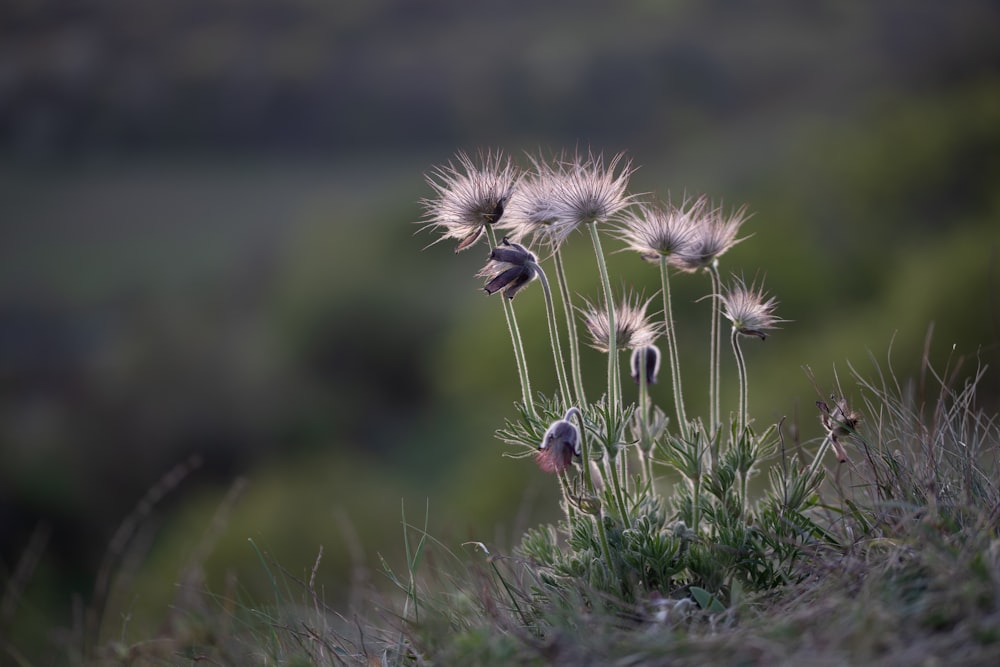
(564, 487)
(589, 482)
(515, 336)
(557, 355)
(672, 352)
(645, 442)
(615, 471)
(715, 353)
(574, 341)
(613, 398)
(741, 368)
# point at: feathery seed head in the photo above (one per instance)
(714, 234)
(655, 231)
(470, 195)
(587, 192)
(747, 308)
(530, 214)
(632, 327)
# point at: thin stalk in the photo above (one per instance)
(699, 473)
(715, 353)
(615, 471)
(589, 481)
(818, 460)
(741, 368)
(574, 341)
(515, 337)
(564, 487)
(645, 442)
(557, 355)
(613, 397)
(671, 335)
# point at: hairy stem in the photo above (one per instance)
(557, 355)
(715, 352)
(515, 336)
(672, 353)
(613, 397)
(574, 341)
(741, 369)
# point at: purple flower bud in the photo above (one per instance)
(558, 447)
(647, 357)
(510, 268)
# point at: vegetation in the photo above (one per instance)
(204, 282)
(682, 540)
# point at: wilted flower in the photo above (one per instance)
(559, 445)
(748, 310)
(713, 235)
(469, 196)
(655, 231)
(648, 358)
(587, 192)
(511, 266)
(632, 328)
(839, 423)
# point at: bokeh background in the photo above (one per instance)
(208, 256)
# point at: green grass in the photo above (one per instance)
(908, 572)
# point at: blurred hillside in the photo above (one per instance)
(206, 248)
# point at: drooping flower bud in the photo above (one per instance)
(511, 266)
(647, 358)
(559, 445)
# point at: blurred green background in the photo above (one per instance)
(207, 249)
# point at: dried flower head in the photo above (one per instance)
(632, 327)
(839, 423)
(530, 215)
(662, 231)
(470, 196)
(559, 445)
(647, 358)
(586, 192)
(748, 309)
(511, 266)
(714, 234)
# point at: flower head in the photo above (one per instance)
(667, 231)
(632, 327)
(559, 445)
(586, 192)
(470, 196)
(839, 423)
(647, 358)
(530, 214)
(511, 266)
(748, 310)
(714, 234)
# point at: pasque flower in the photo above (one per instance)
(470, 196)
(633, 329)
(646, 357)
(668, 231)
(749, 311)
(531, 215)
(511, 266)
(839, 423)
(559, 445)
(714, 233)
(588, 192)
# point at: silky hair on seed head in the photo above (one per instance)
(470, 195)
